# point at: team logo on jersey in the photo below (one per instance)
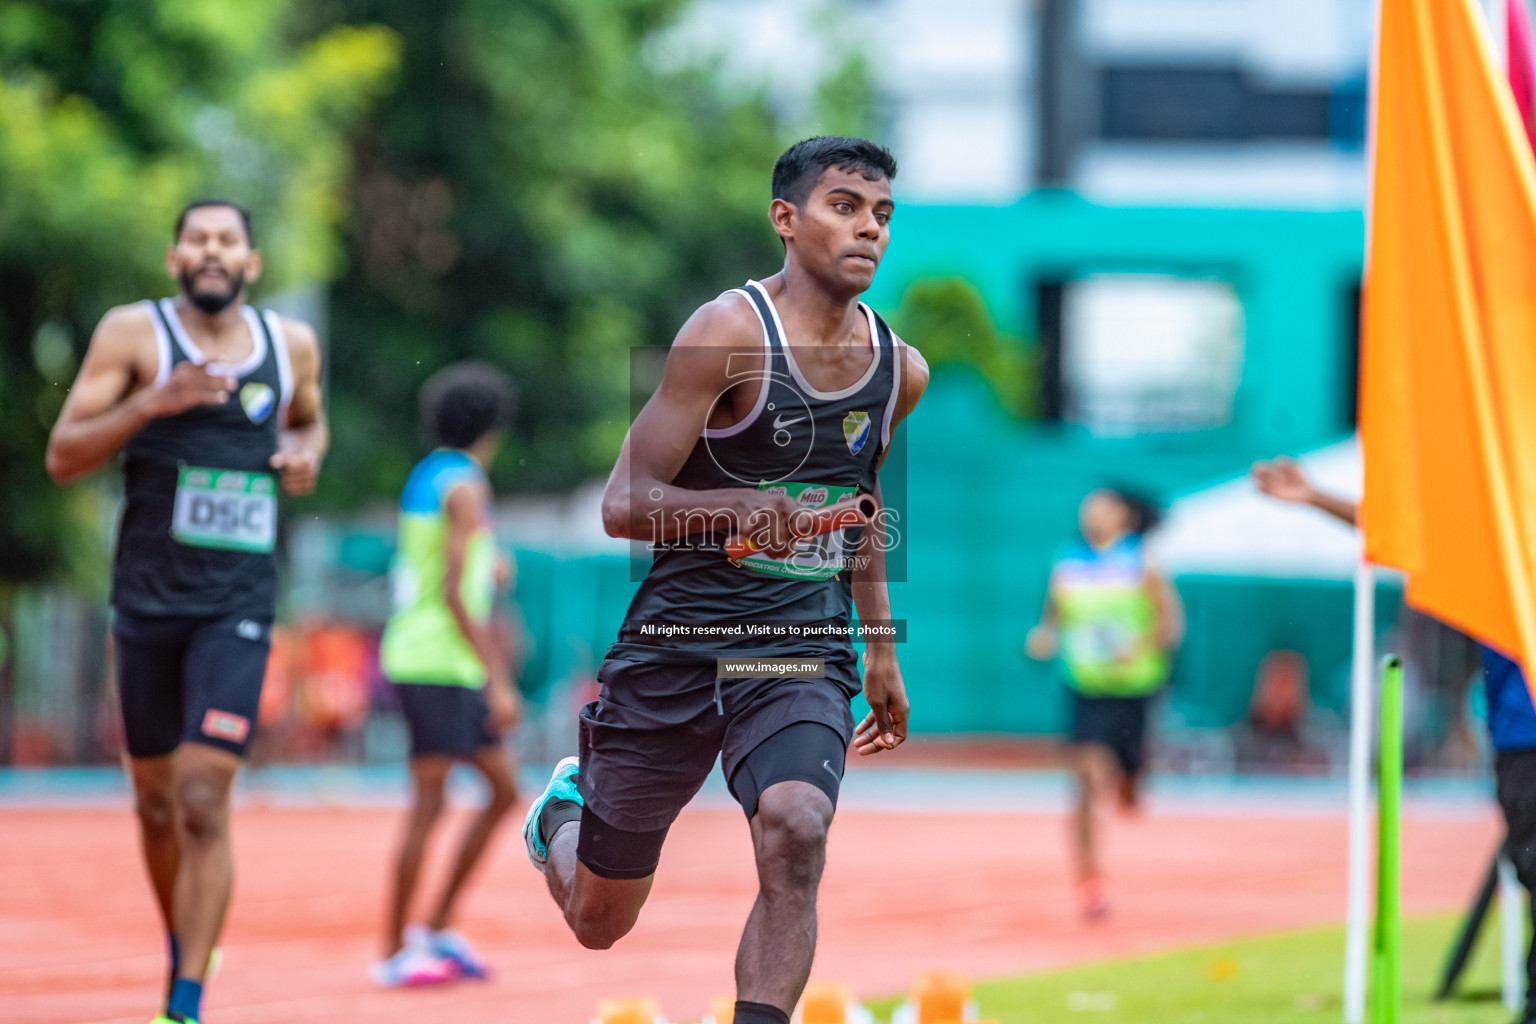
(856, 430)
(257, 400)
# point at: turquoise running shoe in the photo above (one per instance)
(562, 786)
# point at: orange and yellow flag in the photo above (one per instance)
(1448, 351)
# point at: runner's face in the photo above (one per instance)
(1103, 518)
(843, 227)
(212, 258)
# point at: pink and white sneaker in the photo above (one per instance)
(412, 967)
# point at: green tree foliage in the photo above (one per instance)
(542, 183)
(550, 186)
(947, 320)
(112, 114)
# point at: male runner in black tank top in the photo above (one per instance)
(777, 398)
(213, 406)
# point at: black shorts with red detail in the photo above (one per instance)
(187, 679)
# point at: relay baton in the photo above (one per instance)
(855, 511)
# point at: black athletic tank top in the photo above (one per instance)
(200, 515)
(815, 446)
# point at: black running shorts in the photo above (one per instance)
(1119, 723)
(190, 680)
(446, 720)
(651, 738)
(808, 752)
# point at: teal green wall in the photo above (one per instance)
(1292, 271)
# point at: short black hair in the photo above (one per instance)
(802, 165)
(463, 402)
(1144, 512)
(198, 204)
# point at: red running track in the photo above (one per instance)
(987, 893)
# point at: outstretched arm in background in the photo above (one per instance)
(1283, 480)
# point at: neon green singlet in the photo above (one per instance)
(1108, 621)
(422, 643)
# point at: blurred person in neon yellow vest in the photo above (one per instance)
(450, 669)
(1111, 621)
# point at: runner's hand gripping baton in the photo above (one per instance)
(855, 510)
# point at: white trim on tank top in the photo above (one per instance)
(794, 367)
(240, 369)
(162, 345)
(898, 357)
(284, 367)
(762, 391)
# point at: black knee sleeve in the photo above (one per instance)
(803, 752)
(610, 852)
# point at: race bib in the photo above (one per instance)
(225, 508)
(1100, 643)
(815, 558)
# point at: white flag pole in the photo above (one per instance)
(1361, 734)
(1363, 666)
(1512, 931)
(1497, 14)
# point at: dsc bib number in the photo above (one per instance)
(228, 509)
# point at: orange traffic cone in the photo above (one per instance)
(831, 1003)
(629, 1010)
(938, 997)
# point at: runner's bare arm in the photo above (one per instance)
(115, 395)
(1284, 480)
(885, 727)
(1168, 632)
(640, 502)
(914, 382)
(466, 506)
(303, 440)
(1040, 644)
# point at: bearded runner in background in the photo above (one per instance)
(212, 404)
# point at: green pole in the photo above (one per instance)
(1387, 1001)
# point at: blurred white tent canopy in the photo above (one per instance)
(1234, 530)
